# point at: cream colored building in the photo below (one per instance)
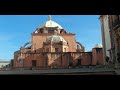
(106, 41)
(4, 63)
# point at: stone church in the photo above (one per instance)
(51, 46)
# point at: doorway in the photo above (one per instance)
(34, 63)
(79, 62)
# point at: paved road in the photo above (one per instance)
(81, 71)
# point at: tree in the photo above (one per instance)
(70, 64)
(97, 63)
(107, 59)
(78, 63)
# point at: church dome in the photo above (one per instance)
(55, 38)
(98, 46)
(50, 23)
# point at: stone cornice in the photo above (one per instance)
(44, 34)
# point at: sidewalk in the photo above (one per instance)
(64, 71)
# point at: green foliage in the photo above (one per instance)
(97, 63)
(70, 63)
(107, 58)
(78, 63)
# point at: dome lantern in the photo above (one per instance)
(49, 17)
(50, 23)
(98, 46)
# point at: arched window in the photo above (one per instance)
(47, 49)
(116, 20)
(56, 49)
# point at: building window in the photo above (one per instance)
(56, 49)
(116, 20)
(47, 50)
(50, 30)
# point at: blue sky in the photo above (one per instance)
(15, 30)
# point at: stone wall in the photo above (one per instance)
(97, 54)
(61, 60)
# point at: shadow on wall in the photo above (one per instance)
(53, 59)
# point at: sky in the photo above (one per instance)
(15, 30)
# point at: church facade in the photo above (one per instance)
(51, 46)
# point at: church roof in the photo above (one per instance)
(50, 23)
(55, 38)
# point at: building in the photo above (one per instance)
(11, 63)
(112, 22)
(97, 55)
(52, 46)
(106, 40)
(3, 63)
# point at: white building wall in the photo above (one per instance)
(107, 35)
(3, 64)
